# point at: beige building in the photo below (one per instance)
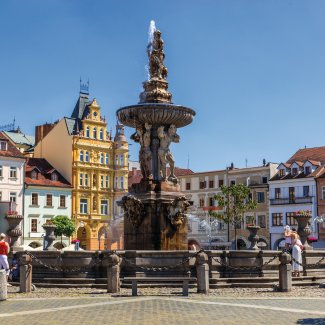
(200, 188)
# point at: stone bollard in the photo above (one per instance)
(25, 268)
(202, 272)
(113, 273)
(285, 276)
(3, 285)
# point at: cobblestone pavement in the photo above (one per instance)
(164, 306)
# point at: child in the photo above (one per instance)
(287, 235)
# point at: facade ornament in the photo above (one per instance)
(143, 137)
(133, 210)
(177, 211)
(164, 154)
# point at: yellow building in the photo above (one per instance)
(81, 148)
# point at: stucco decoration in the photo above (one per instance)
(133, 210)
(177, 211)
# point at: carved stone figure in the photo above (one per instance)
(177, 211)
(164, 154)
(145, 155)
(133, 210)
(156, 57)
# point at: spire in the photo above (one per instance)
(119, 135)
(84, 87)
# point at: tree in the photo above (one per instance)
(235, 201)
(64, 226)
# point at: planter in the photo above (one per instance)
(49, 237)
(253, 237)
(14, 231)
(303, 229)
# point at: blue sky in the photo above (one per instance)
(253, 70)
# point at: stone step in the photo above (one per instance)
(70, 285)
(68, 280)
(244, 280)
(306, 283)
(242, 285)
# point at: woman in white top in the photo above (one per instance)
(296, 254)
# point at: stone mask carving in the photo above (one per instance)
(133, 210)
(177, 211)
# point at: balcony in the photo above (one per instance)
(295, 200)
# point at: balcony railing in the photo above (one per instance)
(295, 200)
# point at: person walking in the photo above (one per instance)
(4, 250)
(296, 254)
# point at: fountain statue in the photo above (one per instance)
(155, 209)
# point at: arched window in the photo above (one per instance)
(34, 174)
(81, 156)
(101, 134)
(101, 158)
(122, 160)
(54, 176)
(107, 159)
(95, 133)
(122, 182)
(86, 156)
(87, 132)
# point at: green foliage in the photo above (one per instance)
(234, 199)
(64, 226)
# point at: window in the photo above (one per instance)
(13, 197)
(238, 225)
(81, 156)
(34, 199)
(101, 181)
(306, 191)
(0, 196)
(211, 201)
(294, 171)
(277, 219)
(220, 182)
(264, 180)
(1, 171)
(83, 206)
(260, 197)
(101, 158)
(122, 160)
(307, 170)
(13, 172)
(261, 221)
(87, 132)
(201, 202)
(33, 174)
(291, 194)
(116, 159)
(95, 133)
(104, 207)
(290, 220)
(232, 183)
(3, 145)
(86, 180)
(202, 184)
(122, 182)
(86, 156)
(277, 192)
(211, 184)
(281, 172)
(33, 225)
(323, 192)
(62, 201)
(107, 181)
(188, 186)
(101, 135)
(54, 176)
(49, 200)
(81, 179)
(115, 182)
(249, 220)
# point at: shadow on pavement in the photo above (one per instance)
(314, 321)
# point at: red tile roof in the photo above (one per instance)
(312, 154)
(11, 151)
(44, 174)
(135, 175)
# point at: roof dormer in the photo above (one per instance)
(283, 169)
(296, 168)
(310, 166)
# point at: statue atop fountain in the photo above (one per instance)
(155, 209)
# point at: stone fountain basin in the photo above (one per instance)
(155, 114)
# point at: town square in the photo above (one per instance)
(160, 162)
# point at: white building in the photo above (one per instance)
(47, 194)
(293, 188)
(12, 164)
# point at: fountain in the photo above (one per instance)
(155, 209)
